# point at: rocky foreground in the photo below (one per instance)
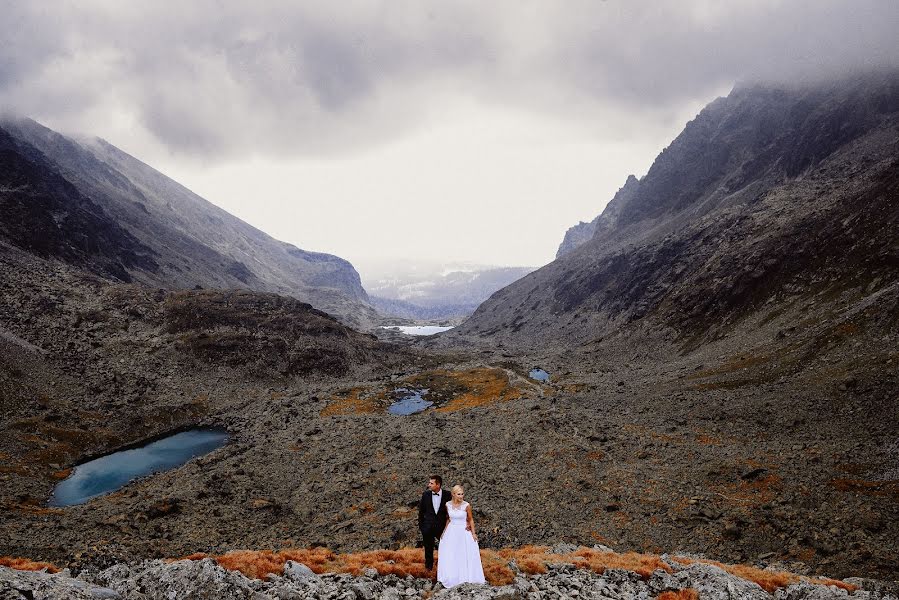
(205, 578)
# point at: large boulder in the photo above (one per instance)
(40, 585)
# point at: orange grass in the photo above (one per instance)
(467, 389)
(887, 488)
(62, 474)
(770, 581)
(483, 386)
(733, 365)
(755, 492)
(352, 403)
(14, 469)
(32, 508)
(707, 440)
(687, 594)
(23, 564)
(259, 563)
(496, 568)
(496, 563)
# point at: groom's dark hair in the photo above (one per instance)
(438, 479)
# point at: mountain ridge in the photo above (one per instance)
(194, 242)
(722, 210)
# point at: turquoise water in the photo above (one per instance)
(410, 402)
(539, 375)
(109, 473)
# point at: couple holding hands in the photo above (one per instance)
(447, 517)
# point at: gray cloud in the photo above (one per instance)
(219, 79)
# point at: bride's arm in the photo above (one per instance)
(471, 522)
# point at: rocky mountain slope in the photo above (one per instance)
(184, 241)
(770, 198)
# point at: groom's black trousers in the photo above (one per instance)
(429, 536)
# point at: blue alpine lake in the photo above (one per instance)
(539, 375)
(409, 402)
(113, 471)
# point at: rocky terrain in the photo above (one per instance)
(176, 238)
(204, 578)
(722, 358)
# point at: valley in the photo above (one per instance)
(720, 359)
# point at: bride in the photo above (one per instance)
(459, 558)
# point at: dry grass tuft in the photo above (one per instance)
(738, 363)
(481, 387)
(461, 389)
(32, 507)
(535, 559)
(352, 402)
(407, 561)
(642, 564)
(687, 594)
(530, 560)
(23, 564)
(887, 488)
(259, 563)
(496, 568)
(60, 475)
(708, 440)
(194, 556)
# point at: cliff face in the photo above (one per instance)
(768, 196)
(582, 233)
(186, 240)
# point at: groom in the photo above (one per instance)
(432, 516)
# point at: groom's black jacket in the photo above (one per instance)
(428, 520)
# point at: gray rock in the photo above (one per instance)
(41, 585)
(563, 548)
(363, 591)
(714, 583)
(890, 589)
(807, 591)
(661, 581)
(471, 591)
(181, 579)
(297, 571)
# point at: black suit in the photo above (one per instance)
(432, 523)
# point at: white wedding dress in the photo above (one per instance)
(458, 556)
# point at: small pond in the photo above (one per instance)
(418, 329)
(539, 375)
(409, 402)
(113, 471)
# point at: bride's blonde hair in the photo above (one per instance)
(458, 487)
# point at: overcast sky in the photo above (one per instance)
(475, 131)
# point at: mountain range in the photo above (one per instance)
(419, 290)
(91, 204)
